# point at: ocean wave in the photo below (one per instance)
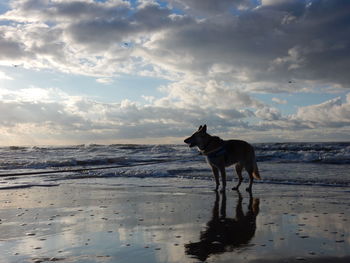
(327, 153)
(94, 154)
(308, 163)
(47, 164)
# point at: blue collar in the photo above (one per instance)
(217, 153)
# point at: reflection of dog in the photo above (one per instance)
(221, 154)
(224, 234)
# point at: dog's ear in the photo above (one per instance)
(204, 128)
(200, 127)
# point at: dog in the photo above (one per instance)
(223, 153)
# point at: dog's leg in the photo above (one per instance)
(251, 179)
(216, 176)
(223, 178)
(240, 177)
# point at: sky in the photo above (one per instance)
(114, 71)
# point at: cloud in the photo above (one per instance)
(4, 76)
(50, 114)
(61, 10)
(213, 94)
(10, 49)
(328, 120)
(208, 7)
(104, 80)
(333, 113)
(38, 107)
(57, 116)
(216, 54)
(279, 101)
(61, 114)
(300, 40)
(268, 113)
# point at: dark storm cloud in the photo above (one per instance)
(102, 33)
(319, 35)
(51, 10)
(290, 40)
(10, 49)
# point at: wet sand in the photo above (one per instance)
(173, 220)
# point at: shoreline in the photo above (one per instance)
(173, 220)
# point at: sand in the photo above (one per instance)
(173, 220)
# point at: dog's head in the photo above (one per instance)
(199, 138)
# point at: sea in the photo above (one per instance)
(304, 163)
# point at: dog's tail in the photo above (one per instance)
(256, 173)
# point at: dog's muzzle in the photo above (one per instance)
(190, 144)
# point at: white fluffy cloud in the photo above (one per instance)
(329, 120)
(333, 113)
(54, 114)
(279, 101)
(51, 111)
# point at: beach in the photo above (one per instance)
(134, 220)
